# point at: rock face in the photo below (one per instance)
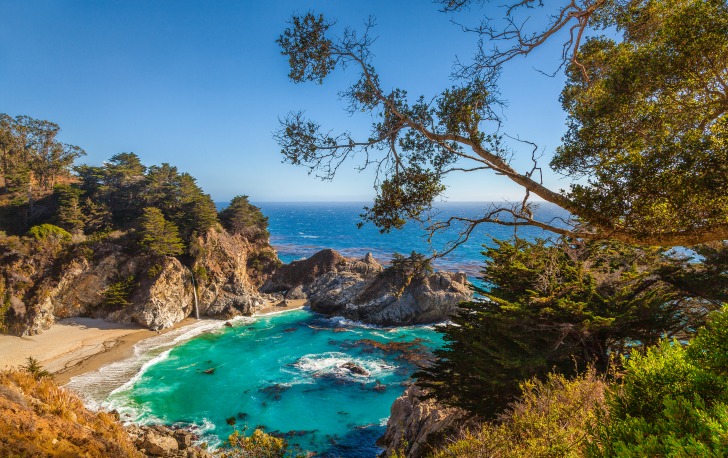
(417, 426)
(45, 283)
(229, 270)
(363, 290)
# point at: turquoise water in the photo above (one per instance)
(283, 373)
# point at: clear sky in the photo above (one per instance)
(201, 85)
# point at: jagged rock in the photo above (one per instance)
(296, 293)
(301, 273)
(161, 301)
(417, 425)
(363, 290)
(229, 287)
(46, 283)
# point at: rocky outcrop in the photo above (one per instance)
(44, 281)
(363, 290)
(304, 273)
(229, 270)
(417, 426)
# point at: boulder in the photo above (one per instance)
(156, 444)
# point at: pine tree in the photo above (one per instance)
(157, 235)
(561, 307)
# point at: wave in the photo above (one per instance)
(96, 387)
(332, 364)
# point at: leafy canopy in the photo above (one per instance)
(645, 136)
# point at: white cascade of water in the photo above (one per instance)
(194, 292)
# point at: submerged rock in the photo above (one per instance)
(355, 368)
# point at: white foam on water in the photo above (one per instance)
(96, 387)
(330, 363)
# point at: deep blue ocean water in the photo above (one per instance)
(299, 230)
(286, 372)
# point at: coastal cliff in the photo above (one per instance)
(363, 290)
(418, 426)
(45, 280)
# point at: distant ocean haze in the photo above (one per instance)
(298, 230)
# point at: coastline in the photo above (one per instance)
(76, 346)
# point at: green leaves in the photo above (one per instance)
(648, 119)
(157, 235)
(309, 51)
(560, 306)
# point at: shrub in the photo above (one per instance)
(672, 401)
(117, 294)
(49, 231)
(550, 420)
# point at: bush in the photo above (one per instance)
(257, 445)
(49, 231)
(673, 401)
(117, 294)
(551, 420)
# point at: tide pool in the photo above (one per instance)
(325, 384)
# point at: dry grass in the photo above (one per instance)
(39, 418)
(551, 420)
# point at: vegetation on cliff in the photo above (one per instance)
(114, 229)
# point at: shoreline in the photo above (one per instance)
(76, 346)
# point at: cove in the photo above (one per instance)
(324, 384)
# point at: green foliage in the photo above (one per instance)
(35, 369)
(157, 235)
(118, 293)
(645, 149)
(69, 214)
(257, 445)
(672, 401)
(30, 153)
(308, 50)
(154, 270)
(242, 217)
(200, 273)
(552, 419)
(49, 232)
(647, 120)
(559, 307)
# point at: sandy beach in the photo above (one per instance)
(78, 345)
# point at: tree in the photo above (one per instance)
(157, 235)
(242, 217)
(645, 143)
(69, 214)
(557, 307)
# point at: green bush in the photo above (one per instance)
(49, 231)
(672, 401)
(117, 294)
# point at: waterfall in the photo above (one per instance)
(194, 292)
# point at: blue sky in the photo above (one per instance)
(201, 85)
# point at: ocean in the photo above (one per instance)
(286, 373)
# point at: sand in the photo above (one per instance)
(75, 346)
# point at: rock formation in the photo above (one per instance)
(363, 290)
(43, 283)
(418, 426)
